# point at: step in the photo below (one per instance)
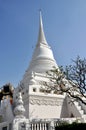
(76, 103)
(79, 107)
(82, 112)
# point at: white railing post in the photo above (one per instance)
(40, 126)
(52, 127)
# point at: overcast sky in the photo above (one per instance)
(64, 26)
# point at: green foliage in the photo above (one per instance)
(62, 123)
(71, 126)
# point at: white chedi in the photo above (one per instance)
(19, 109)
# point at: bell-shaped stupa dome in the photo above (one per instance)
(42, 59)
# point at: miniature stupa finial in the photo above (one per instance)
(19, 110)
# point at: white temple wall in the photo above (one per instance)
(45, 106)
(44, 111)
(26, 110)
(26, 105)
(64, 111)
(72, 109)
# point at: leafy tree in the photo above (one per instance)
(70, 80)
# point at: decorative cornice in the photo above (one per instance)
(45, 101)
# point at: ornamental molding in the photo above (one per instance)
(45, 101)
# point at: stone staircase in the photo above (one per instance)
(81, 111)
(78, 106)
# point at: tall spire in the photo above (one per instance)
(42, 58)
(41, 36)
